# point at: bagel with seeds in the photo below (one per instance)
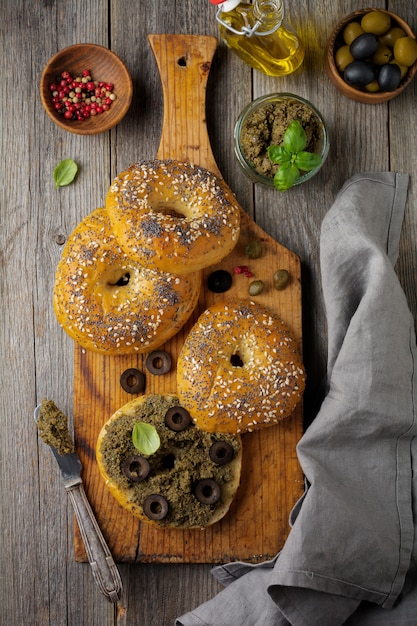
(173, 216)
(109, 303)
(191, 479)
(239, 369)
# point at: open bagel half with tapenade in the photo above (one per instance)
(188, 482)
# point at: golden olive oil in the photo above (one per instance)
(258, 35)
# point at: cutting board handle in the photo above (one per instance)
(184, 63)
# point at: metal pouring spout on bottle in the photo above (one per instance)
(258, 34)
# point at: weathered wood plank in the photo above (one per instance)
(44, 585)
(403, 140)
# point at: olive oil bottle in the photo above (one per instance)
(257, 33)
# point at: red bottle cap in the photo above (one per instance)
(229, 4)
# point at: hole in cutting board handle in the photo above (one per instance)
(182, 61)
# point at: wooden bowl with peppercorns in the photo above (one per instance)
(368, 75)
(86, 89)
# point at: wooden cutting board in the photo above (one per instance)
(257, 524)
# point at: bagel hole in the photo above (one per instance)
(166, 210)
(236, 360)
(123, 280)
(168, 461)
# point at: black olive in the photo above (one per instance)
(221, 452)
(136, 468)
(133, 380)
(389, 77)
(207, 491)
(155, 507)
(159, 362)
(219, 281)
(177, 418)
(364, 46)
(359, 73)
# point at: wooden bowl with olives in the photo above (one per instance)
(86, 89)
(371, 56)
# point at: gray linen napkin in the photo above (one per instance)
(352, 539)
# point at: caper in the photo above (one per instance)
(256, 287)
(382, 55)
(351, 31)
(342, 58)
(281, 279)
(405, 51)
(390, 37)
(253, 249)
(376, 22)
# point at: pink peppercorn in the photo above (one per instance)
(71, 95)
(243, 269)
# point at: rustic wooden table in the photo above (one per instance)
(41, 582)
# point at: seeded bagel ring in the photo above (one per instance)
(239, 369)
(173, 216)
(110, 304)
(186, 484)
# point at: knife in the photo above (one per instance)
(105, 572)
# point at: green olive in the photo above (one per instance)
(373, 87)
(390, 37)
(405, 51)
(281, 279)
(403, 68)
(253, 249)
(351, 31)
(343, 57)
(382, 55)
(256, 287)
(376, 22)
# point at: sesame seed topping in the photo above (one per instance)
(114, 303)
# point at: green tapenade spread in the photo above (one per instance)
(175, 468)
(266, 126)
(53, 428)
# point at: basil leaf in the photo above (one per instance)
(295, 138)
(286, 176)
(278, 154)
(307, 161)
(65, 172)
(145, 438)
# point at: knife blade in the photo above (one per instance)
(105, 572)
(70, 466)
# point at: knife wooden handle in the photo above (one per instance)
(104, 569)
